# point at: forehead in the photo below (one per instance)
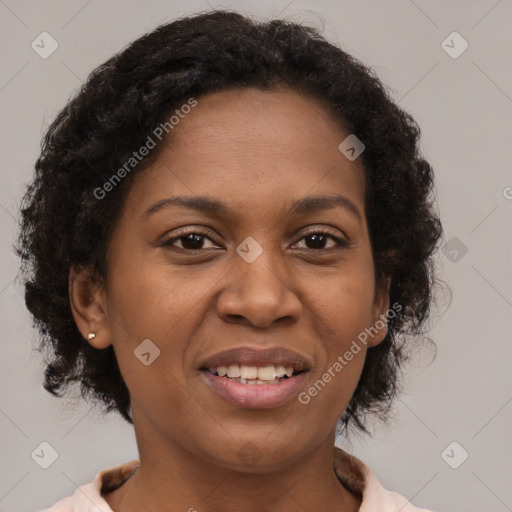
(252, 147)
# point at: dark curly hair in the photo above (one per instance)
(64, 224)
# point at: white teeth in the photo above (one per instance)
(254, 374)
(257, 381)
(233, 371)
(273, 381)
(281, 371)
(267, 372)
(248, 372)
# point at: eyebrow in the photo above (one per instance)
(215, 208)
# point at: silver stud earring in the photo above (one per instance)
(91, 335)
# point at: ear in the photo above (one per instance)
(379, 327)
(89, 306)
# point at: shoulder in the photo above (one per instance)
(358, 478)
(89, 497)
(376, 497)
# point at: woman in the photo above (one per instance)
(228, 237)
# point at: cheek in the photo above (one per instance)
(153, 300)
(158, 304)
(347, 314)
(345, 310)
(346, 304)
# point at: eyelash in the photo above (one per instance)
(342, 244)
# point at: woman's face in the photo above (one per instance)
(259, 279)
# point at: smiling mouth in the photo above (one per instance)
(248, 391)
(255, 375)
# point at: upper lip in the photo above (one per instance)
(248, 356)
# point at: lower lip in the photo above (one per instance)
(254, 396)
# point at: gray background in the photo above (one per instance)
(464, 107)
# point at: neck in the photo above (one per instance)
(175, 480)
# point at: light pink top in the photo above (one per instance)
(351, 472)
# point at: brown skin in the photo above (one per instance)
(256, 152)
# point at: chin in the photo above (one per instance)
(252, 455)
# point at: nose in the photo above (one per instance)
(259, 294)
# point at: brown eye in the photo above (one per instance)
(193, 240)
(318, 240)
